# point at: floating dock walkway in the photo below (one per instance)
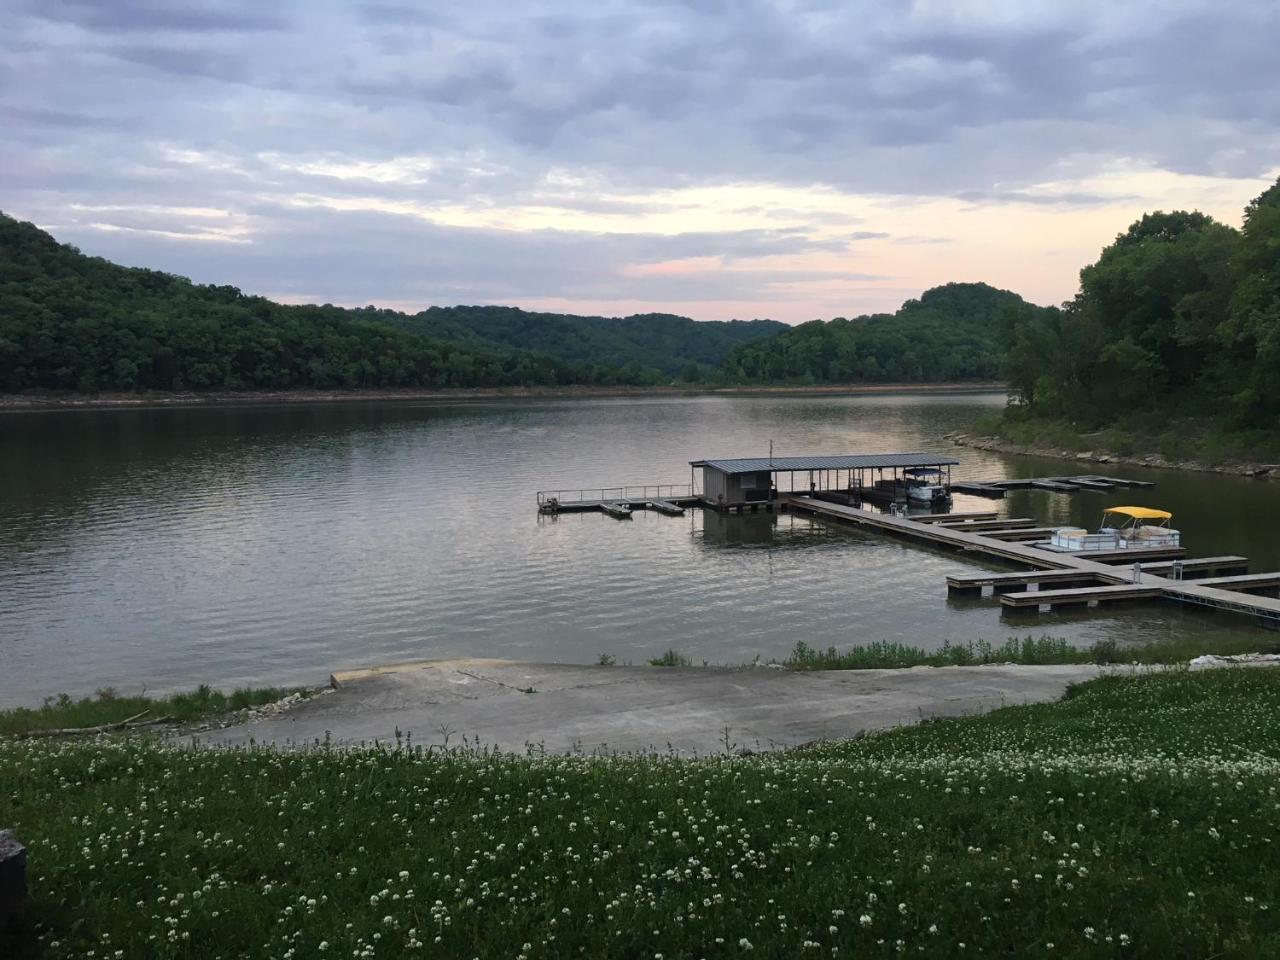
(997, 489)
(619, 502)
(1101, 576)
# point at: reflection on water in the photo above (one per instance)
(165, 548)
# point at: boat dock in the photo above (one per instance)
(837, 487)
(1074, 579)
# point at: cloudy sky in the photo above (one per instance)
(713, 158)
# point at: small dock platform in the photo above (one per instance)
(971, 516)
(997, 489)
(985, 526)
(973, 584)
(1030, 601)
(619, 502)
(1264, 583)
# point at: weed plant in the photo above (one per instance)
(1137, 818)
(672, 658)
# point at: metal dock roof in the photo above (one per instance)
(849, 462)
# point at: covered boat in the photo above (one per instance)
(1122, 528)
(924, 486)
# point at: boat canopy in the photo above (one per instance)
(1141, 513)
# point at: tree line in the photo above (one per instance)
(1179, 316)
(948, 335)
(79, 323)
(73, 322)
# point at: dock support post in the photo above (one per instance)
(999, 588)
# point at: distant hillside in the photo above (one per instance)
(74, 322)
(951, 334)
(651, 340)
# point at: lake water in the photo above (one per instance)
(159, 549)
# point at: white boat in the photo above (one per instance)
(1123, 528)
(924, 485)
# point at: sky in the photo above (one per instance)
(717, 159)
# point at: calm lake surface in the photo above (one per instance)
(159, 549)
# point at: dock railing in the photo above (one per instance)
(655, 491)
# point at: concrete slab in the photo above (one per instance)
(563, 708)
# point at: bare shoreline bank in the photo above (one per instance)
(1261, 471)
(125, 401)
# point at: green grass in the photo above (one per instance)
(1136, 818)
(1028, 650)
(107, 706)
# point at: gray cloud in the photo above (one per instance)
(1069, 198)
(238, 105)
(147, 16)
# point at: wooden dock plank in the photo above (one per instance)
(1121, 482)
(995, 524)
(1057, 486)
(1265, 608)
(665, 506)
(954, 517)
(972, 585)
(1083, 595)
(619, 511)
(1027, 533)
(987, 490)
(1245, 581)
(1023, 576)
(1239, 565)
(998, 580)
(1128, 556)
(1085, 483)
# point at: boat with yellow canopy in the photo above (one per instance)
(1122, 528)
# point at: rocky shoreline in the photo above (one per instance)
(1260, 471)
(107, 401)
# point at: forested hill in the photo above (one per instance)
(73, 322)
(677, 346)
(952, 333)
(1178, 318)
(79, 323)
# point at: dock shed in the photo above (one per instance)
(755, 480)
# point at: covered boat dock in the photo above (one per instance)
(752, 482)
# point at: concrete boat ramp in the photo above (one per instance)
(564, 708)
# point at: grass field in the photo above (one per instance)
(1138, 817)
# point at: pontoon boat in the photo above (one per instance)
(1123, 528)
